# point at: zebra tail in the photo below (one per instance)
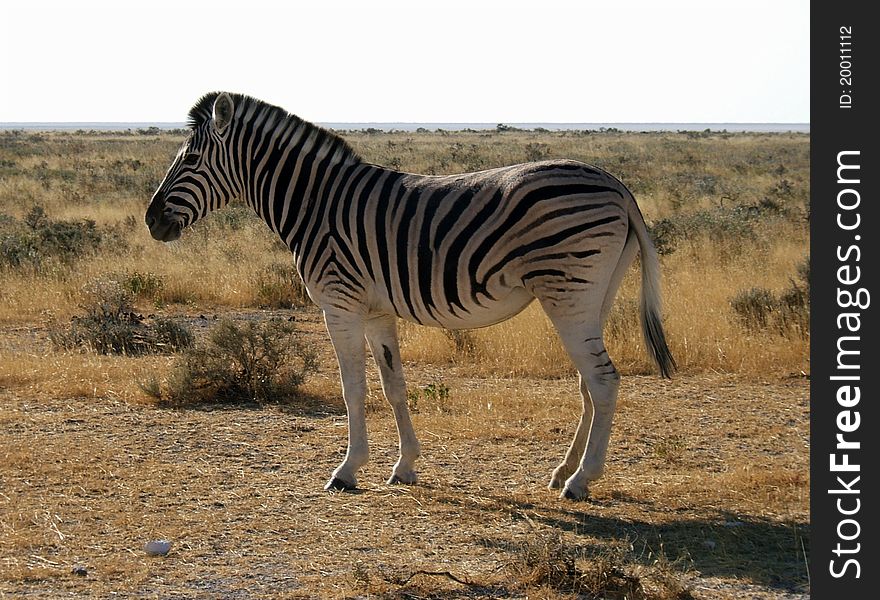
(650, 309)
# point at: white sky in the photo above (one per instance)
(382, 60)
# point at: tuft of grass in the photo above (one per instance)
(111, 326)
(545, 561)
(754, 307)
(142, 284)
(671, 449)
(437, 394)
(728, 210)
(249, 362)
(463, 342)
(279, 286)
(788, 312)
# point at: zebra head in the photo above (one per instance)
(199, 180)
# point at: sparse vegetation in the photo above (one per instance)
(248, 362)
(279, 286)
(36, 241)
(435, 396)
(788, 312)
(546, 561)
(727, 211)
(710, 467)
(111, 326)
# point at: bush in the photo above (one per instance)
(37, 239)
(141, 285)
(250, 362)
(463, 342)
(789, 312)
(733, 226)
(110, 326)
(794, 302)
(754, 307)
(437, 394)
(545, 561)
(279, 286)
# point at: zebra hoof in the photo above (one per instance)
(338, 485)
(569, 494)
(556, 483)
(398, 480)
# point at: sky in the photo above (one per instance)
(544, 61)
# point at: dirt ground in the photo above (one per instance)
(706, 486)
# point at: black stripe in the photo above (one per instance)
(451, 260)
(529, 200)
(348, 197)
(424, 251)
(553, 273)
(383, 225)
(360, 206)
(453, 215)
(565, 255)
(410, 205)
(283, 179)
(549, 241)
(518, 214)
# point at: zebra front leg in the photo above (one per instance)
(381, 334)
(347, 335)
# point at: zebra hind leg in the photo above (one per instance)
(347, 335)
(381, 333)
(599, 382)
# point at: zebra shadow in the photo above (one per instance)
(302, 404)
(748, 548)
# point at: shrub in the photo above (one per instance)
(754, 307)
(794, 301)
(436, 393)
(789, 312)
(110, 326)
(17, 248)
(536, 151)
(37, 239)
(250, 362)
(546, 561)
(231, 218)
(142, 285)
(279, 286)
(463, 341)
(731, 226)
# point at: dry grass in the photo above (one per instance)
(703, 330)
(231, 260)
(697, 496)
(706, 488)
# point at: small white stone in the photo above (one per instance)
(157, 547)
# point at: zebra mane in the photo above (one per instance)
(202, 112)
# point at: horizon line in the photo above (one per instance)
(41, 122)
(413, 126)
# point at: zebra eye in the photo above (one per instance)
(191, 159)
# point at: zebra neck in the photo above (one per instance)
(292, 166)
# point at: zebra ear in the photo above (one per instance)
(222, 113)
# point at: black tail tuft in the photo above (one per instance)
(656, 341)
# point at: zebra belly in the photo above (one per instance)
(488, 312)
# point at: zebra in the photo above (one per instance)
(373, 244)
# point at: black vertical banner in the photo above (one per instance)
(845, 299)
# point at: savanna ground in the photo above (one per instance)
(706, 491)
